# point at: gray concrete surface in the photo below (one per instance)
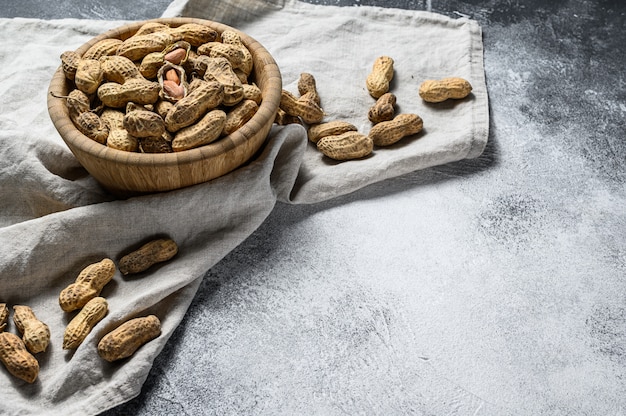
(525, 301)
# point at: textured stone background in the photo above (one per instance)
(498, 280)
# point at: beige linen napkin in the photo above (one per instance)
(55, 218)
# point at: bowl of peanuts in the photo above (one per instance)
(166, 103)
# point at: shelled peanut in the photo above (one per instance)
(161, 63)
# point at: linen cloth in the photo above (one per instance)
(56, 219)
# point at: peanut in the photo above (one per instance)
(387, 133)
(81, 325)
(4, 316)
(77, 102)
(162, 107)
(205, 131)
(219, 69)
(113, 118)
(151, 253)
(206, 96)
(89, 283)
(307, 110)
(177, 56)
(119, 69)
(35, 334)
(231, 37)
(155, 144)
(16, 358)
(69, 64)
(193, 33)
(282, 118)
(151, 27)
(240, 115)
(252, 92)
(377, 82)
(384, 108)
(123, 341)
(88, 76)
(232, 53)
(137, 47)
(120, 139)
(143, 123)
(346, 146)
(137, 90)
(104, 47)
(307, 85)
(92, 126)
(331, 128)
(150, 64)
(436, 91)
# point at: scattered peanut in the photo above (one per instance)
(436, 91)
(87, 286)
(387, 133)
(346, 146)
(282, 118)
(331, 128)
(35, 334)
(123, 341)
(81, 325)
(307, 85)
(153, 252)
(16, 358)
(307, 110)
(384, 108)
(377, 82)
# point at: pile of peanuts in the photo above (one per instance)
(164, 89)
(339, 139)
(83, 295)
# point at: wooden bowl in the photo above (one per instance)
(129, 173)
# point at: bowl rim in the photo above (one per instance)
(271, 90)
